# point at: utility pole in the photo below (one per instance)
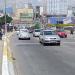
(5, 18)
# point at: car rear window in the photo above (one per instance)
(37, 30)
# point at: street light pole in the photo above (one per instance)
(5, 18)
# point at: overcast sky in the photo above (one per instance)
(19, 3)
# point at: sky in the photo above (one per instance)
(11, 4)
(19, 3)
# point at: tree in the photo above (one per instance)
(8, 20)
(37, 25)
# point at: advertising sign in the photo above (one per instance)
(26, 15)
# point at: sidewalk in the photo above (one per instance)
(1, 55)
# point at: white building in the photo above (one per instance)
(57, 7)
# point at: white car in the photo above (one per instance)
(48, 37)
(24, 34)
(36, 33)
(17, 32)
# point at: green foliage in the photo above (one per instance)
(8, 19)
(37, 25)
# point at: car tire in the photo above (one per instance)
(28, 38)
(40, 42)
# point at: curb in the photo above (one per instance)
(7, 62)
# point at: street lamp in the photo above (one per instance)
(5, 17)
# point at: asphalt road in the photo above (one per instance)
(33, 58)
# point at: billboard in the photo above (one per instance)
(26, 15)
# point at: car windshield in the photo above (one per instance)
(37, 30)
(49, 33)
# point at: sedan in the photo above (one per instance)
(48, 37)
(61, 33)
(36, 32)
(24, 34)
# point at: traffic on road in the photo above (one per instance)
(32, 58)
(37, 37)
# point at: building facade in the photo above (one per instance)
(24, 16)
(57, 7)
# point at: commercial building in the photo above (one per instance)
(57, 7)
(24, 16)
(58, 10)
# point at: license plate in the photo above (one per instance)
(53, 41)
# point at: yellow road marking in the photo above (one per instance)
(7, 56)
(6, 49)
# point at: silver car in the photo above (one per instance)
(36, 33)
(48, 37)
(24, 34)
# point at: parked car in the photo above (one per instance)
(61, 33)
(48, 37)
(36, 32)
(24, 34)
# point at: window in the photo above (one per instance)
(37, 30)
(49, 33)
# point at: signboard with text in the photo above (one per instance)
(26, 15)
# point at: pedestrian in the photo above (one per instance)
(71, 31)
(0, 34)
